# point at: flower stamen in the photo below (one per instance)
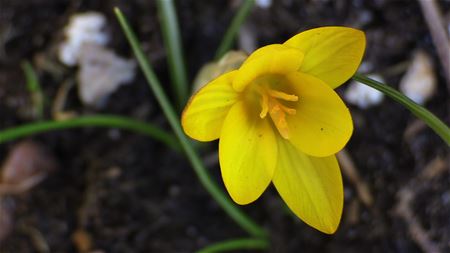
(282, 95)
(277, 111)
(264, 105)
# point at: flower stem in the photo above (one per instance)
(236, 244)
(238, 19)
(169, 24)
(236, 214)
(429, 118)
(109, 121)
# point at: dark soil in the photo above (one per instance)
(121, 192)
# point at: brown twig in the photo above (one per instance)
(58, 112)
(435, 23)
(406, 195)
(418, 234)
(37, 238)
(7, 221)
(413, 129)
(23, 186)
(350, 171)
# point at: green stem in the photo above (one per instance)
(172, 41)
(109, 121)
(34, 88)
(238, 19)
(244, 221)
(429, 118)
(236, 244)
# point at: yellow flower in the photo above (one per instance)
(279, 120)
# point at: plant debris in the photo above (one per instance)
(26, 165)
(101, 73)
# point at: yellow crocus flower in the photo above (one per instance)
(279, 120)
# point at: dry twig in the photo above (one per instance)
(406, 196)
(351, 172)
(441, 41)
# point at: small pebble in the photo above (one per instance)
(264, 4)
(362, 95)
(113, 172)
(419, 82)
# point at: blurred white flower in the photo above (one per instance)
(82, 28)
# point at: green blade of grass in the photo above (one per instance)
(213, 189)
(233, 29)
(429, 118)
(34, 88)
(109, 121)
(236, 244)
(171, 35)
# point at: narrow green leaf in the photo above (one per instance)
(109, 121)
(172, 40)
(236, 244)
(233, 29)
(34, 88)
(429, 118)
(224, 201)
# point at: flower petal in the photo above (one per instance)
(310, 186)
(205, 112)
(322, 124)
(247, 154)
(271, 59)
(332, 54)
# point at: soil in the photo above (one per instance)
(115, 191)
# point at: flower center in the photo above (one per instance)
(271, 105)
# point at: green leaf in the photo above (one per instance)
(429, 118)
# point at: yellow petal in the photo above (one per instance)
(271, 59)
(247, 154)
(322, 124)
(205, 112)
(310, 186)
(332, 54)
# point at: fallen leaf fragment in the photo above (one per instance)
(101, 73)
(26, 165)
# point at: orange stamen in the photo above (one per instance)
(276, 110)
(282, 95)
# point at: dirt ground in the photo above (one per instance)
(115, 191)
